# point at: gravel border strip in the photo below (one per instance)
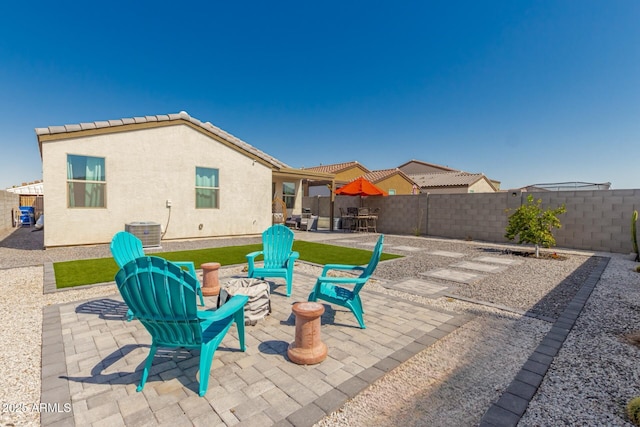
(513, 403)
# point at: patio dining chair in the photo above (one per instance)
(126, 247)
(162, 297)
(348, 220)
(334, 290)
(279, 257)
(373, 220)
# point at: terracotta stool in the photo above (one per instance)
(307, 349)
(210, 282)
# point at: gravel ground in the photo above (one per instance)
(21, 340)
(596, 372)
(452, 382)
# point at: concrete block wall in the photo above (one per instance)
(402, 214)
(8, 201)
(598, 220)
(479, 216)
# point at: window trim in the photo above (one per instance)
(87, 181)
(286, 196)
(215, 189)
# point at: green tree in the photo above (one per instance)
(533, 225)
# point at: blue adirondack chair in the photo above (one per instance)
(126, 247)
(327, 289)
(162, 297)
(279, 258)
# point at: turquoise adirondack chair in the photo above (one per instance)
(327, 289)
(279, 258)
(162, 297)
(126, 247)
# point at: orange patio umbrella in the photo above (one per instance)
(361, 187)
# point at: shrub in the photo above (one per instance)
(633, 410)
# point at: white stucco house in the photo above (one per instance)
(192, 178)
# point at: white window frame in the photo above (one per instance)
(289, 199)
(202, 188)
(91, 188)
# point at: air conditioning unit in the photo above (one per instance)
(148, 232)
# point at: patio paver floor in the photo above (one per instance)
(92, 358)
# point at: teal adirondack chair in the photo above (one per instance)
(162, 297)
(126, 247)
(279, 258)
(327, 289)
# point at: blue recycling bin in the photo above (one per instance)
(27, 215)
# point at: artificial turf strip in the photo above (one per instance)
(100, 270)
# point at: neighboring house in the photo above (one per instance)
(343, 173)
(417, 167)
(193, 178)
(393, 181)
(454, 182)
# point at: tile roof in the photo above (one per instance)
(433, 165)
(181, 116)
(447, 179)
(335, 168)
(379, 175)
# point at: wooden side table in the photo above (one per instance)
(210, 280)
(308, 348)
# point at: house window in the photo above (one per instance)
(86, 182)
(207, 188)
(392, 191)
(289, 194)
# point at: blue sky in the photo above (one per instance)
(523, 91)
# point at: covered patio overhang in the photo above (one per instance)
(306, 177)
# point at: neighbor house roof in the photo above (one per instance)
(379, 175)
(433, 165)
(336, 167)
(32, 188)
(120, 125)
(448, 179)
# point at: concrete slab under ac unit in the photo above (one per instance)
(499, 260)
(447, 254)
(484, 267)
(419, 287)
(453, 275)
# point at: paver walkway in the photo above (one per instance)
(92, 358)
